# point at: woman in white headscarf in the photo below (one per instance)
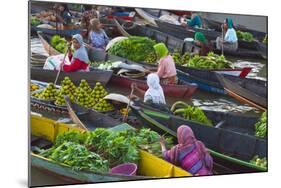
(154, 93)
(79, 59)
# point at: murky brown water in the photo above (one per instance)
(203, 99)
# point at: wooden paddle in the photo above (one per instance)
(60, 68)
(127, 109)
(72, 114)
(222, 40)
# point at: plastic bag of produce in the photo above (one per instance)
(53, 62)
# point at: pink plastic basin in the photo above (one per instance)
(128, 169)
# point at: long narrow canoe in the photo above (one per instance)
(172, 43)
(92, 77)
(252, 94)
(44, 130)
(227, 142)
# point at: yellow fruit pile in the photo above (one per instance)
(49, 92)
(103, 105)
(98, 92)
(33, 87)
(67, 89)
(85, 86)
(83, 98)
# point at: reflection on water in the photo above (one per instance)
(258, 69)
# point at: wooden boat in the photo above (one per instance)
(208, 81)
(222, 120)
(246, 92)
(246, 49)
(44, 132)
(92, 77)
(229, 143)
(217, 26)
(172, 43)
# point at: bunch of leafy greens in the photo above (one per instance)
(134, 48)
(35, 21)
(211, 61)
(100, 149)
(261, 126)
(262, 162)
(190, 113)
(246, 36)
(59, 43)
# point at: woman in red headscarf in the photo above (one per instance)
(189, 153)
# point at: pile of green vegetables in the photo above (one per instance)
(134, 48)
(102, 149)
(190, 113)
(35, 21)
(246, 36)
(265, 39)
(261, 126)
(211, 61)
(262, 162)
(59, 43)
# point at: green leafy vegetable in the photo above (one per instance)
(190, 113)
(261, 126)
(134, 48)
(59, 43)
(262, 162)
(100, 149)
(246, 36)
(35, 21)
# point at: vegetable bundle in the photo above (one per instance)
(211, 61)
(100, 149)
(59, 43)
(261, 126)
(190, 113)
(246, 36)
(262, 162)
(35, 21)
(134, 48)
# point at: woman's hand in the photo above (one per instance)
(162, 140)
(133, 86)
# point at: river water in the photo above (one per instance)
(203, 99)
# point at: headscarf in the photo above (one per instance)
(200, 37)
(186, 139)
(229, 23)
(161, 50)
(155, 90)
(80, 53)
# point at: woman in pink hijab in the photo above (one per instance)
(189, 153)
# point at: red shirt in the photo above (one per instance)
(75, 65)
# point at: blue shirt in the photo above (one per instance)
(230, 35)
(99, 40)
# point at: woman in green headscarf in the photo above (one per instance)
(202, 43)
(230, 39)
(166, 66)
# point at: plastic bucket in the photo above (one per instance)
(129, 169)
